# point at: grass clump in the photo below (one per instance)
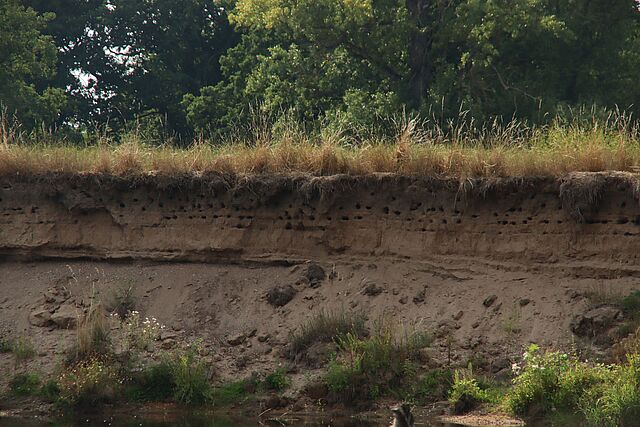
(457, 150)
(615, 401)
(231, 393)
(276, 381)
(191, 380)
(22, 348)
(466, 394)
(26, 384)
(380, 365)
(325, 327)
(93, 337)
(122, 301)
(431, 386)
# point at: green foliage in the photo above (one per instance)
(616, 400)
(276, 381)
(326, 327)
(26, 384)
(229, 393)
(431, 386)
(156, 383)
(27, 56)
(190, 375)
(375, 366)
(89, 382)
(122, 301)
(465, 393)
(553, 381)
(50, 390)
(631, 304)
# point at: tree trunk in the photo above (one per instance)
(420, 65)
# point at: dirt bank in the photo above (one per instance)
(486, 266)
(583, 217)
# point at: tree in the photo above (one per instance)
(362, 59)
(139, 57)
(26, 56)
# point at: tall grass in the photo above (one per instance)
(461, 148)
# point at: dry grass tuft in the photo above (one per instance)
(418, 148)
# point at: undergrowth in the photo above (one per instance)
(383, 364)
(325, 327)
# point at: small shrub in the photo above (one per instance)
(191, 384)
(139, 333)
(26, 384)
(325, 327)
(631, 304)
(155, 383)
(89, 382)
(50, 391)
(615, 401)
(432, 386)
(465, 394)
(159, 381)
(276, 381)
(550, 382)
(376, 366)
(5, 345)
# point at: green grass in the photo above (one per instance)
(326, 327)
(26, 384)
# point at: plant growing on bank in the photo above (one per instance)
(379, 365)
(22, 348)
(554, 382)
(276, 380)
(26, 384)
(191, 380)
(90, 381)
(325, 327)
(465, 393)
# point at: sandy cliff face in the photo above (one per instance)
(590, 217)
(485, 266)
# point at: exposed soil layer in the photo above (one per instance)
(486, 266)
(583, 217)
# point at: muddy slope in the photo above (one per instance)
(590, 217)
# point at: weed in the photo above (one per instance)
(122, 301)
(230, 393)
(190, 375)
(23, 349)
(552, 381)
(276, 381)
(50, 390)
(325, 327)
(155, 383)
(93, 335)
(616, 400)
(512, 324)
(465, 393)
(376, 366)
(90, 381)
(432, 386)
(26, 384)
